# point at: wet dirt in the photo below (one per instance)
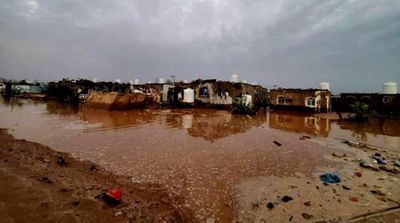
(41, 185)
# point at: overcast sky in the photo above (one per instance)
(354, 45)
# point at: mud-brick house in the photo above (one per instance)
(382, 104)
(221, 93)
(316, 100)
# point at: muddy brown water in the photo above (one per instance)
(197, 153)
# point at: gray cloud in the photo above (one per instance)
(355, 45)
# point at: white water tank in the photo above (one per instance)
(234, 78)
(390, 87)
(95, 80)
(118, 81)
(136, 81)
(324, 86)
(131, 82)
(186, 81)
(254, 83)
(244, 81)
(188, 95)
(161, 81)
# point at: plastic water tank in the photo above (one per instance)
(390, 87)
(136, 81)
(161, 81)
(234, 78)
(188, 95)
(118, 81)
(131, 82)
(324, 86)
(244, 81)
(186, 81)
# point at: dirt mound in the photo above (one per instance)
(42, 185)
(115, 100)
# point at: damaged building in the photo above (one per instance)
(315, 100)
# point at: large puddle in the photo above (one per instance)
(197, 153)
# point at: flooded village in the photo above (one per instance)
(199, 151)
(203, 111)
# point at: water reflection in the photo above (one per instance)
(217, 124)
(204, 123)
(299, 122)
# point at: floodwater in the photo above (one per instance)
(195, 153)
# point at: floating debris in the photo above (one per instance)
(306, 216)
(346, 188)
(354, 199)
(286, 198)
(329, 178)
(270, 205)
(277, 143)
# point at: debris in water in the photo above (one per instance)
(286, 199)
(270, 205)
(306, 216)
(329, 178)
(346, 188)
(378, 192)
(277, 143)
(354, 199)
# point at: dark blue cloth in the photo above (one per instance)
(330, 178)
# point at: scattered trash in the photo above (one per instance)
(306, 216)
(351, 143)
(304, 137)
(286, 199)
(367, 165)
(357, 174)
(118, 213)
(346, 188)
(277, 143)
(390, 170)
(270, 205)
(397, 163)
(307, 203)
(112, 196)
(378, 192)
(379, 159)
(354, 199)
(45, 180)
(329, 178)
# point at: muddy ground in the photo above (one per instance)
(39, 184)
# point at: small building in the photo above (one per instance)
(381, 104)
(316, 100)
(221, 93)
